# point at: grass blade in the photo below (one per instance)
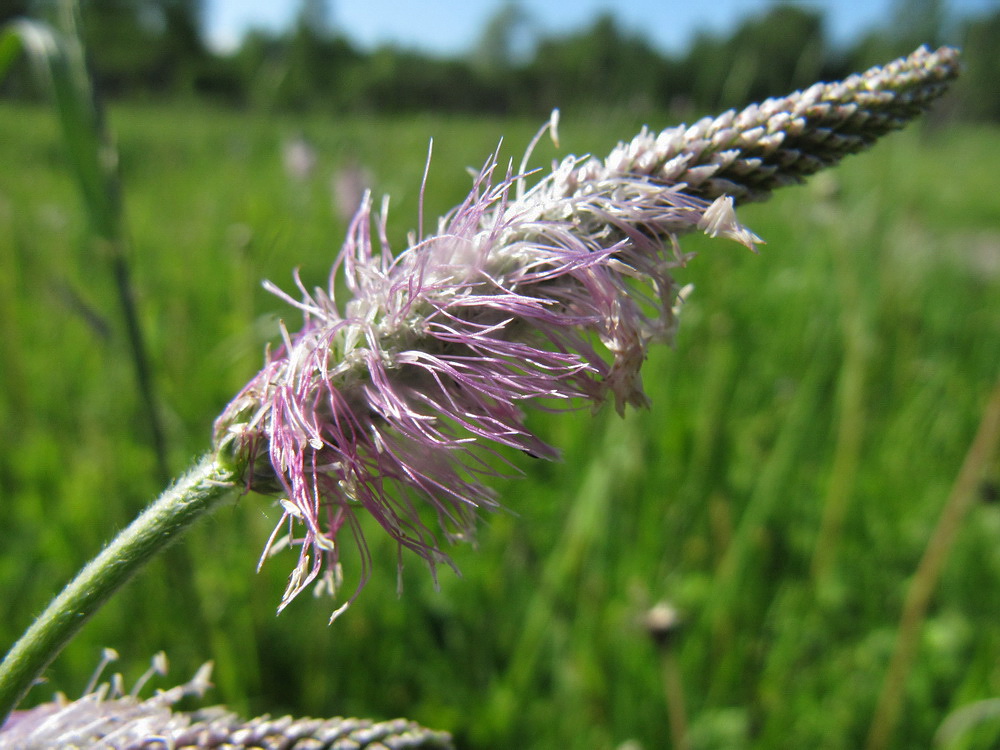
(59, 60)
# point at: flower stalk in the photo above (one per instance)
(194, 495)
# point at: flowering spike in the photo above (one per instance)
(778, 142)
(105, 717)
(400, 402)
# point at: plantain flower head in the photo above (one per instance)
(108, 718)
(401, 401)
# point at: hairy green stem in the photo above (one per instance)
(194, 495)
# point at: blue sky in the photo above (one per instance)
(451, 26)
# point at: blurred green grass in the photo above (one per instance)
(846, 367)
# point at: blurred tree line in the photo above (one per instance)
(157, 48)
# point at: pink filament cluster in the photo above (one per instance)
(399, 402)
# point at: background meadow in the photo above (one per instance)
(804, 436)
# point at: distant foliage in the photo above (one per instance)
(156, 48)
(979, 97)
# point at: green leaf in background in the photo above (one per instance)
(59, 60)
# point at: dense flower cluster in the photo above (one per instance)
(400, 401)
(106, 718)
